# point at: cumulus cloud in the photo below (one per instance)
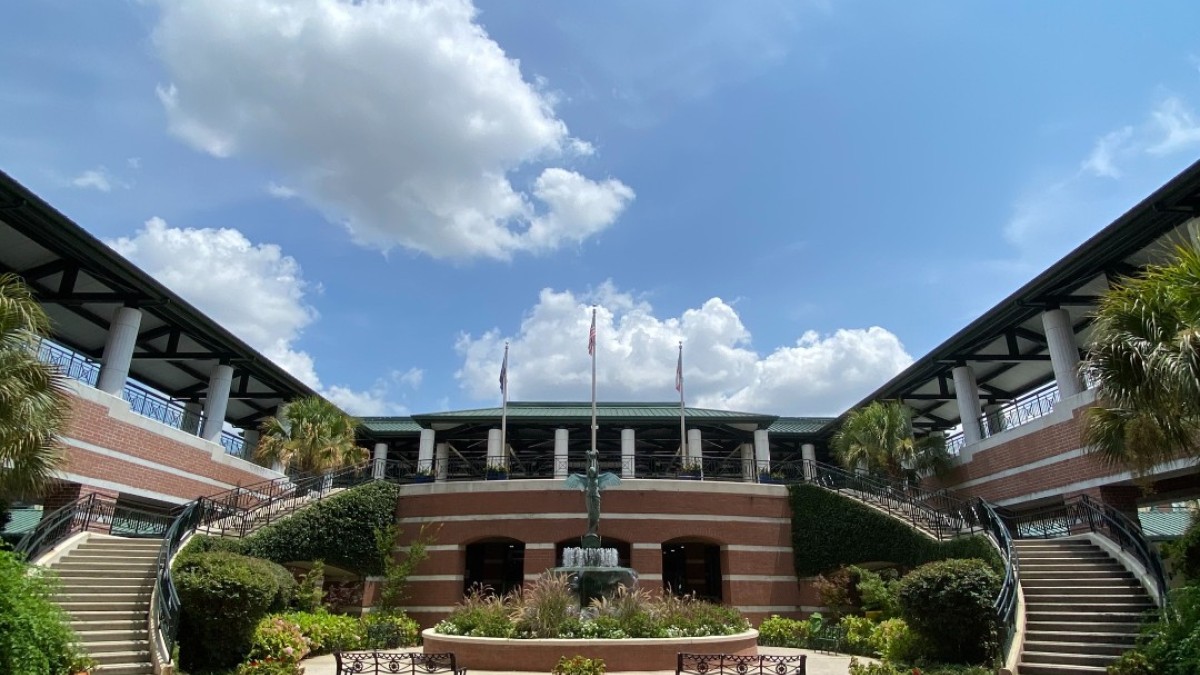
(637, 352)
(1176, 125)
(1102, 160)
(254, 290)
(95, 179)
(401, 120)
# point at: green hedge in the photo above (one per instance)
(949, 604)
(339, 530)
(830, 530)
(35, 634)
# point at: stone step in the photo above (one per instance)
(1068, 565)
(127, 656)
(1126, 640)
(137, 624)
(1084, 603)
(1083, 574)
(118, 605)
(1112, 649)
(1131, 589)
(103, 582)
(1026, 545)
(1093, 582)
(1084, 617)
(93, 596)
(1067, 659)
(115, 554)
(142, 668)
(1059, 669)
(105, 648)
(106, 566)
(133, 632)
(1080, 554)
(72, 572)
(1055, 625)
(90, 615)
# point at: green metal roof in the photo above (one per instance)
(799, 425)
(533, 410)
(1165, 524)
(22, 520)
(391, 425)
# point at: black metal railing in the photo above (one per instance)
(1020, 411)
(1005, 604)
(1082, 514)
(92, 513)
(70, 363)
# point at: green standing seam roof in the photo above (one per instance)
(1165, 524)
(799, 425)
(391, 424)
(22, 520)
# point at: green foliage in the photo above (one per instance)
(1170, 645)
(389, 631)
(279, 639)
(579, 665)
(830, 530)
(1184, 553)
(880, 592)
(479, 615)
(224, 595)
(859, 632)
(778, 631)
(327, 633)
(895, 642)
(859, 668)
(839, 592)
(395, 572)
(308, 594)
(546, 606)
(339, 530)
(269, 667)
(313, 436)
(880, 436)
(949, 603)
(205, 544)
(35, 636)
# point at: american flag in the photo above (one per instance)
(592, 335)
(679, 372)
(504, 372)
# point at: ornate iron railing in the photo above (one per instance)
(70, 363)
(1005, 604)
(1081, 514)
(1020, 411)
(93, 513)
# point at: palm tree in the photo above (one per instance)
(1144, 356)
(33, 403)
(311, 435)
(880, 437)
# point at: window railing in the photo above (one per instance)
(142, 400)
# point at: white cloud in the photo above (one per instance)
(1102, 160)
(402, 120)
(280, 191)
(1177, 127)
(253, 290)
(96, 179)
(637, 351)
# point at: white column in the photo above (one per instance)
(808, 452)
(216, 400)
(495, 454)
(561, 439)
(628, 444)
(695, 451)
(967, 393)
(377, 471)
(749, 472)
(442, 465)
(118, 350)
(1064, 352)
(425, 450)
(762, 451)
(192, 412)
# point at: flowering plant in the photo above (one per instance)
(278, 639)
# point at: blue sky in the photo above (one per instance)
(810, 195)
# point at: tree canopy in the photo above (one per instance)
(880, 437)
(310, 435)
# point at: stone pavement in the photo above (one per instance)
(819, 663)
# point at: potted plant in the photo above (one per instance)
(495, 472)
(691, 469)
(423, 476)
(766, 475)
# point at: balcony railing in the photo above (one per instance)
(1023, 410)
(142, 400)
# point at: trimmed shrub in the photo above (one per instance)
(859, 632)
(879, 592)
(202, 543)
(224, 596)
(339, 530)
(778, 631)
(269, 667)
(949, 603)
(328, 633)
(389, 631)
(35, 636)
(1170, 645)
(838, 590)
(579, 665)
(277, 639)
(830, 530)
(895, 642)
(858, 668)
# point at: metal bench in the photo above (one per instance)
(391, 663)
(733, 664)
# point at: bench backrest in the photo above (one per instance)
(733, 664)
(353, 663)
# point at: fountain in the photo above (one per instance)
(592, 570)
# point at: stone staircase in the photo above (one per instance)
(106, 584)
(1083, 609)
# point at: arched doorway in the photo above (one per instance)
(692, 567)
(496, 565)
(623, 549)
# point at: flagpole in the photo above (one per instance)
(682, 413)
(504, 408)
(592, 349)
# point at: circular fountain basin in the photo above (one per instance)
(479, 653)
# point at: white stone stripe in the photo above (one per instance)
(774, 578)
(1176, 465)
(430, 548)
(642, 546)
(435, 577)
(759, 549)
(121, 487)
(1016, 470)
(430, 608)
(649, 577)
(764, 609)
(113, 454)
(613, 516)
(539, 547)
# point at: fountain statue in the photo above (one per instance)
(591, 570)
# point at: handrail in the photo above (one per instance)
(54, 527)
(1084, 514)
(1005, 604)
(94, 513)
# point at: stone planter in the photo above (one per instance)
(619, 655)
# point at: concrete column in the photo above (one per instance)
(1064, 352)
(380, 466)
(118, 350)
(441, 465)
(425, 450)
(561, 439)
(216, 399)
(695, 451)
(993, 419)
(628, 448)
(495, 453)
(749, 470)
(808, 452)
(193, 411)
(762, 451)
(967, 393)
